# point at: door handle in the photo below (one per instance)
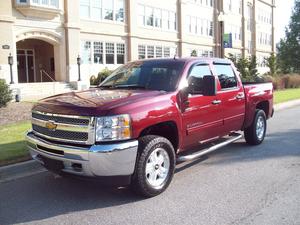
(240, 96)
(216, 102)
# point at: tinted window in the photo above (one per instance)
(153, 75)
(196, 75)
(226, 76)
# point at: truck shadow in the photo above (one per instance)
(275, 145)
(45, 196)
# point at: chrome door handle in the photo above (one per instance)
(240, 96)
(216, 102)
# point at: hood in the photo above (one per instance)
(92, 102)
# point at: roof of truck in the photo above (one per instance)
(190, 59)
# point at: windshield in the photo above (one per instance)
(152, 75)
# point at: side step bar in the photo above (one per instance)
(234, 137)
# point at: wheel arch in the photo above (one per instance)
(166, 129)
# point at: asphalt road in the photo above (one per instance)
(238, 184)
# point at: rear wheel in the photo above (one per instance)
(154, 167)
(255, 134)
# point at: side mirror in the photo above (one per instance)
(209, 86)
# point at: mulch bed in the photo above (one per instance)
(15, 112)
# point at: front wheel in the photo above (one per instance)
(154, 167)
(255, 134)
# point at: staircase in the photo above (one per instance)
(35, 91)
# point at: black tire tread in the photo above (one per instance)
(250, 132)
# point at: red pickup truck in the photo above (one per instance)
(147, 116)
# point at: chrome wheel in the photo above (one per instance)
(260, 127)
(157, 167)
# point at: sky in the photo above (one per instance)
(283, 13)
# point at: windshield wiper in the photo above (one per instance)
(135, 86)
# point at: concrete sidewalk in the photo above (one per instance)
(15, 171)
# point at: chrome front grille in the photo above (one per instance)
(64, 128)
(60, 119)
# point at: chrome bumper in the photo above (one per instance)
(98, 160)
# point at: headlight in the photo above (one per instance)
(113, 128)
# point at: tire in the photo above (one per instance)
(155, 166)
(255, 134)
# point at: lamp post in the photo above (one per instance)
(78, 63)
(11, 62)
(221, 19)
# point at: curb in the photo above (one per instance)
(31, 167)
(19, 170)
(286, 105)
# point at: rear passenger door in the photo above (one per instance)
(232, 97)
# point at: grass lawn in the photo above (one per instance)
(286, 95)
(12, 144)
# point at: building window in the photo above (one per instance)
(109, 53)
(102, 10)
(142, 51)
(150, 52)
(102, 52)
(86, 52)
(158, 52)
(98, 52)
(119, 10)
(167, 52)
(199, 26)
(120, 53)
(85, 8)
(149, 16)
(156, 17)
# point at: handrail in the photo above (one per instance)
(45, 73)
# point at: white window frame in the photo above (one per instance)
(103, 8)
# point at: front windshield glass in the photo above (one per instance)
(152, 75)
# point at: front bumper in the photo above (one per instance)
(104, 160)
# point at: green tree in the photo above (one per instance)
(246, 66)
(289, 46)
(272, 64)
(194, 53)
(253, 68)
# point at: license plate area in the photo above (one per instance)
(52, 164)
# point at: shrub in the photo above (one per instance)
(5, 93)
(101, 77)
(291, 81)
(284, 81)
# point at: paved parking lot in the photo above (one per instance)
(238, 184)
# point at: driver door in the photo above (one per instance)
(201, 117)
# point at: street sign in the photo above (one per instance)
(227, 40)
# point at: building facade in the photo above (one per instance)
(45, 37)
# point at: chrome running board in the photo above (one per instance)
(233, 137)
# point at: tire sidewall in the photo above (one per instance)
(171, 168)
(259, 113)
(143, 185)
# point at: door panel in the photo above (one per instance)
(233, 108)
(201, 118)
(232, 97)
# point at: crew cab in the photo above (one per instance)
(146, 117)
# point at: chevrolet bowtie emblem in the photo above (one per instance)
(51, 125)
